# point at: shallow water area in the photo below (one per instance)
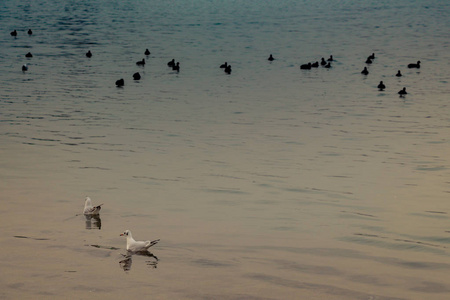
(268, 183)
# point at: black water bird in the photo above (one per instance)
(398, 74)
(223, 66)
(411, 66)
(136, 76)
(368, 60)
(30, 32)
(176, 67)
(372, 56)
(402, 92)
(14, 33)
(328, 65)
(331, 58)
(141, 62)
(89, 54)
(365, 71)
(306, 66)
(228, 69)
(323, 62)
(171, 63)
(315, 65)
(29, 54)
(25, 67)
(147, 52)
(271, 58)
(381, 86)
(120, 82)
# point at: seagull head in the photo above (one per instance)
(126, 233)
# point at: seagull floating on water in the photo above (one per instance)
(137, 246)
(89, 209)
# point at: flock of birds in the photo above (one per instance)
(133, 246)
(175, 66)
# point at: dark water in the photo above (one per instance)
(268, 183)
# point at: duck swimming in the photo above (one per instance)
(306, 66)
(120, 82)
(365, 71)
(381, 86)
(402, 92)
(417, 65)
(136, 76)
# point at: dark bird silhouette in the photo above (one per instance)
(398, 74)
(89, 54)
(368, 60)
(323, 62)
(411, 66)
(29, 54)
(141, 62)
(120, 82)
(25, 67)
(372, 56)
(402, 92)
(315, 65)
(306, 66)
(30, 32)
(223, 66)
(381, 86)
(147, 52)
(176, 67)
(136, 76)
(171, 63)
(228, 69)
(331, 58)
(328, 65)
(271, 58)
(14, 33)
(365, 71)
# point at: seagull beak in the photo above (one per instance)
(122, 234)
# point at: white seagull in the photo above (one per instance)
(137, 246)
(89, 209)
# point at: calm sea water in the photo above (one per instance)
(269, 183)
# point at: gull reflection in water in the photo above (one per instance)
(93, 222)
(126, 263)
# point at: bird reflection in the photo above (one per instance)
(126, 263)
(93, 222)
